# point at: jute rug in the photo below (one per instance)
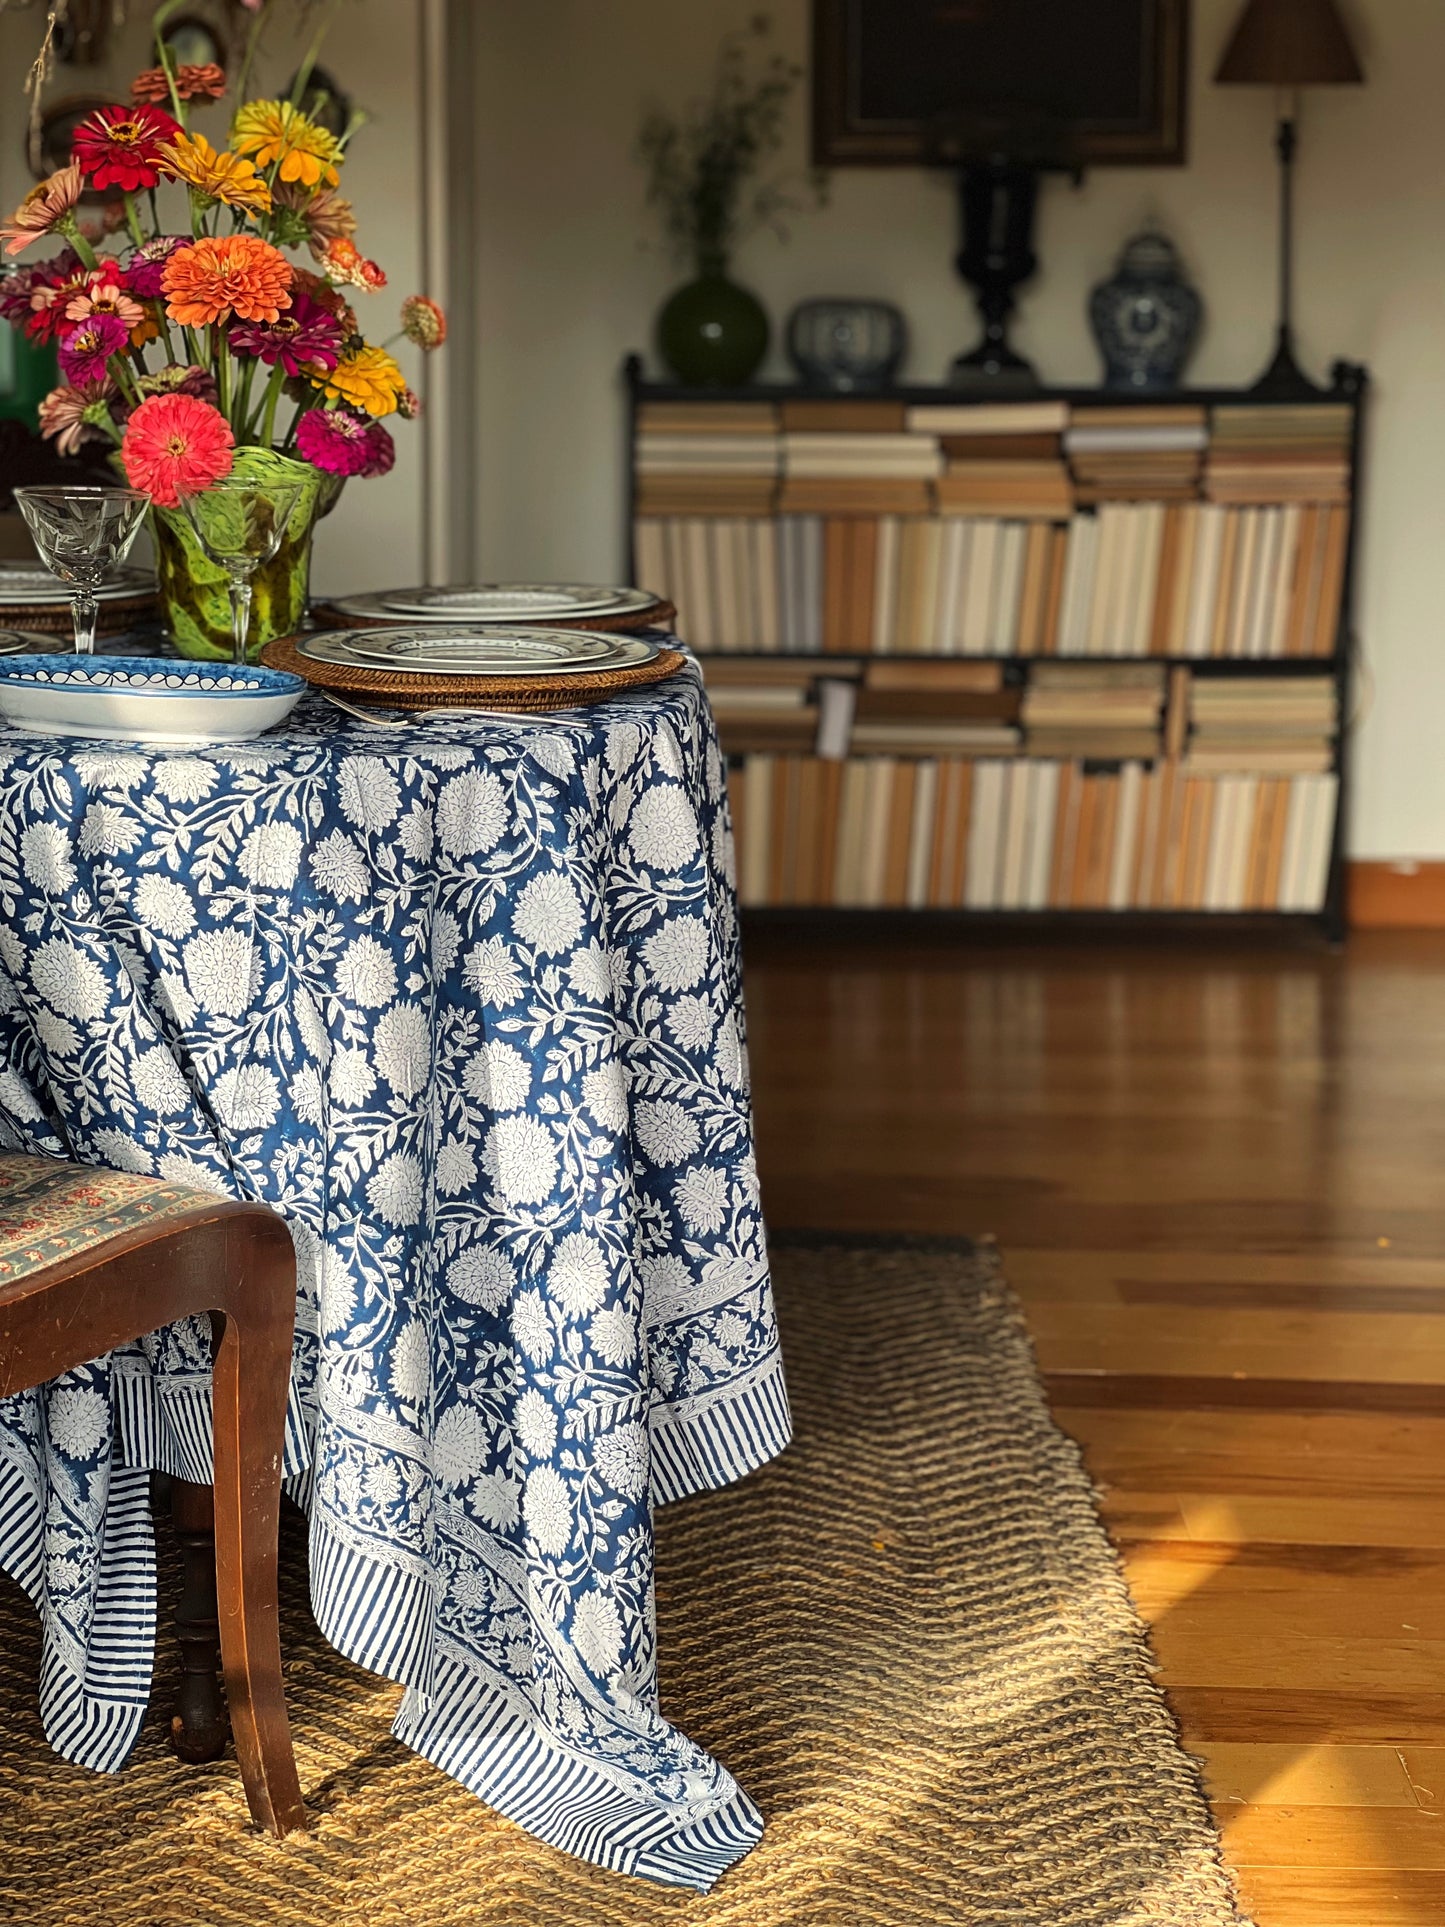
(908, 1638)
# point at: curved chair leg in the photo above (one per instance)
(257, 1353)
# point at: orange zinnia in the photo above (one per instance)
(226, 274)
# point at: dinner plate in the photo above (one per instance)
(512, 602)
(477, 652)
(143, 699)
(25, 582)
(29, 642)
(507, 603)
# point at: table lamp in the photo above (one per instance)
(1288, 44)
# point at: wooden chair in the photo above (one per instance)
(91, 1259)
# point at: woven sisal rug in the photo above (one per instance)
(908, 1638)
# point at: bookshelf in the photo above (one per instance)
(1072, 653)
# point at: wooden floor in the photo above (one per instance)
(1218, 1177)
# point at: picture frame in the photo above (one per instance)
(910, 83)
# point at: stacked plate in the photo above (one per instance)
(32, 598)
(31, 587)
(506, 603)
(517, 668)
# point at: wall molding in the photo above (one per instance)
(1405, 895)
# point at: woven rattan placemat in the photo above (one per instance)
(659, 615)
(526, 694)
(113, 616)
(908, 1638)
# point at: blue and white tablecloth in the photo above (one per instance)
(462, 1001)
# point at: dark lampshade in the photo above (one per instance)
(1289, 43)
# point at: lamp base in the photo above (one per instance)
(1284, 379)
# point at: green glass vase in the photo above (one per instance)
(712, 333)
(195, 602)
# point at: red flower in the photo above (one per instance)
(54, 286)
(176, 446)
(121, 146)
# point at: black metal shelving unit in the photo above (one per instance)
(1349, 384)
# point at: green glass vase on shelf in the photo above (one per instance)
(711, 332)
(195, 591)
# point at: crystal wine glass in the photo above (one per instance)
(240, 525)
(81, 534)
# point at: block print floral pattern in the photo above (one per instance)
(465, 1007)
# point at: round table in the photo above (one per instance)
(461, 1000)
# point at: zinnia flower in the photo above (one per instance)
(216, 176)
(176, 380)
(64, 415)
(380, 451)
(273, 130)
(121, 146)
(86, 348)
(317, 219)
(16, 288)
(369, 379)
(305, 340)
(333, 439)
(105, 294)
(44, 209)
(226, 274)
(409, 405)
(176, 446)
(53, 286)
(422, 321)
(332, 299)
(146, 265)
(207, 82)
(345, 262)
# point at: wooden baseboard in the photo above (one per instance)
(1397, 896)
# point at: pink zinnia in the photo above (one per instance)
(63, 415)
(89, 345)
(176, 446)
(303, 338)
(146, 265)
(335, 440)
(380, 452)
(107, 293)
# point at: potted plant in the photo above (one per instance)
(700, 168)
(201, 347)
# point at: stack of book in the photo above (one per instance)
(1005, 461)
(1275, 725)
(711, 458)
(1280, 453)
(1101, 711)
(865, 472)
(915, 834)
(1141, 453)
(935, 709)
(764, 706)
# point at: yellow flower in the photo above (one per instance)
(219, 177)
(369, 379)
(273, 130)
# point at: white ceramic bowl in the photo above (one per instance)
(143, 699)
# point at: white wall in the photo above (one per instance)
(565, 288)
(374, 537)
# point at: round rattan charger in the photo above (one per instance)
(526, 694)
(113, 616)
(657, 615)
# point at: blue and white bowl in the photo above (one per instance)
(143, 699)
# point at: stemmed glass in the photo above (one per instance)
(240, 525)
(81, 534)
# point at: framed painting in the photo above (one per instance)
(921, 82)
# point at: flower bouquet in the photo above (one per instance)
(201, 348)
